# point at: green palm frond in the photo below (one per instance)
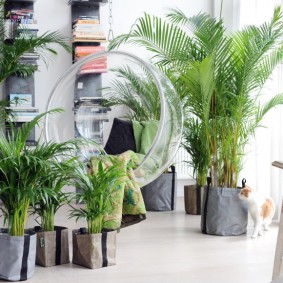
(11, 50)
(97, 191)
(33, 176)
(269, 105)
(137, 92)
(10, 61)
(165, 40)
(219, 77)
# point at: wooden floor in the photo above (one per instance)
(168, 247)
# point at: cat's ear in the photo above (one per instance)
(246, 191)
(249, 189)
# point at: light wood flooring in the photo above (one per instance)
(168, 247)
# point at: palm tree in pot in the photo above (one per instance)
(97, 191)
(52, 241)
(194, 143)
(220, 78)
(20, 169)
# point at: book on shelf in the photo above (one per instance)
(22, 16)
(86, 20)
(94, 31)
(92, 71)
(88, 99)
(94, 65)
(94, 62)
(28, 26)
(84, 26)
(86, 50)
(89, 37)
(87, 40)
(24, 109)
(29, 58)
(23, 116)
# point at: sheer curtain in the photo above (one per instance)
(267, 145)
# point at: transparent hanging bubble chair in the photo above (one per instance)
(122, 103)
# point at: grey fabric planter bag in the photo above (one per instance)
(17, 256)
(52, 247)
(223, 213)
(94, 250)
(160, 195)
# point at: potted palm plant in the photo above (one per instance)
(220, 78)
(20, 171)
(20, 168)
(33, 177)
(95, 247)
(52, 247)
(194, 143)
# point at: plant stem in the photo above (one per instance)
(47, 220)
(95, 225)
(17, 219)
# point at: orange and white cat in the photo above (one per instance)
(261, 209)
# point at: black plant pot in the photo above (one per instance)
(17, 256)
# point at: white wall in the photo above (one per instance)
(54, 15)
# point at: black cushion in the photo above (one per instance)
(121, 137)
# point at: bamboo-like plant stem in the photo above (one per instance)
(47, 220)
(95, 225)
(17, 220)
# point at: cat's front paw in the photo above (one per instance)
(254, 236)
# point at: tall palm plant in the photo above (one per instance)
(219, 77)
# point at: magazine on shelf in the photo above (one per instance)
(20, 99)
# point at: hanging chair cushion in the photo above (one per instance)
(121, 137)
(144, 133)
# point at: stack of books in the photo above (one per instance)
(98, 65)
(13, 29)
(21, 16)
(21, 107)
(23, 114)
(87, 29)
(28, 30)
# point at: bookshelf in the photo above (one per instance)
(19, 19)
(87, 36)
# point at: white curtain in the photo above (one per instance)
(267, 144)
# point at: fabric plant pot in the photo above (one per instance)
(17, 255)
(94, 250)
(223, 213)
(160, 195)
(52, 247)
(193, 198)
